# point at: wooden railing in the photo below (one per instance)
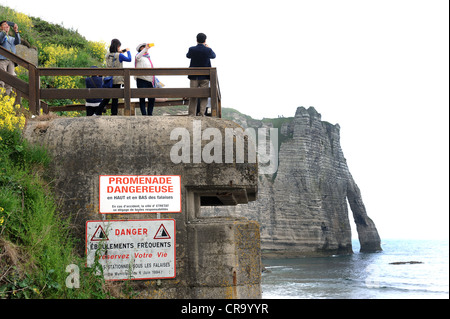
(34, 93)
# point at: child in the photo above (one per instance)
(93, 105)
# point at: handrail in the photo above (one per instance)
(118, 72)
(21, 86)
(15, 58)
(35, 93)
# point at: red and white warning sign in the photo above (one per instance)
(162, 233)
(132, 249)
(119, 194)
(99, 234)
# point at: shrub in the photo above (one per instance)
(35, 242)
(10, 116)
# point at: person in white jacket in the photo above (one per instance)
(145, 81)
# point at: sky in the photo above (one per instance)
(379, 69)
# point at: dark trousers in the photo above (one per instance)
(151, 101)
(115, 102)
(91, 110)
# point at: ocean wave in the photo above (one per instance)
(364, 276)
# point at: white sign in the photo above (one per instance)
(121, 194)
(132, 249)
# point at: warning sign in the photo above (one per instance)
(162, 233)
(139, 194)
(132, 249)
(99, 234)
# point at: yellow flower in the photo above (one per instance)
(97, 49)
(53, 54)
(2, 220)
(10, 117)
(21, 19)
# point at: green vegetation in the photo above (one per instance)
(35, 243)
(57, 47)
(52, 40)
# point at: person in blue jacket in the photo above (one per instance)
(200, 56)
(9, 43)
(93, 105)
(115, 59)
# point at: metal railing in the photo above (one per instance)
(34, 93)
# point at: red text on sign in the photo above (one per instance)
(130, 231)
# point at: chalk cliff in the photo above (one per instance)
(302, 208)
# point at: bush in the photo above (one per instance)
(10, 116)
(58, 47)
(35, 243)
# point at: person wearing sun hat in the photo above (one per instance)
(143, 60)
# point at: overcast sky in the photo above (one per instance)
(378, 68)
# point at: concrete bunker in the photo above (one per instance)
(216, 257)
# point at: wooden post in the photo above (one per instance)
(127, 93)
(18, 100)
(45, 108)
(214, 93)
(219, 98)
(34, 90)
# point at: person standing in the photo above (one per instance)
(145, 81)
(115, 59)
(200, 56)
(9, 43)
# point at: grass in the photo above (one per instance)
(35, 242)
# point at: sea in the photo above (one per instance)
(405, 269)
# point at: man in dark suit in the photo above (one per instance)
(200, 56)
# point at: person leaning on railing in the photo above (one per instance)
(9, 43)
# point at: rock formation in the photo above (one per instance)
(27, 53)
(302, 208)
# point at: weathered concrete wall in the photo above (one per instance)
(215, 257)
